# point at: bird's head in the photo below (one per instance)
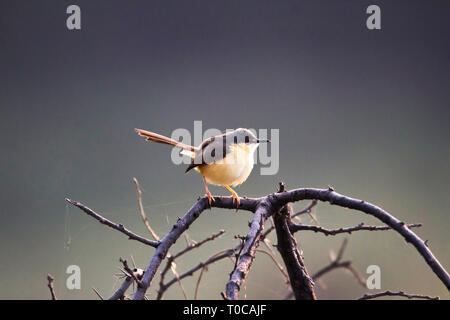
(244, 136)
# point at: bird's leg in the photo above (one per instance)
(208, 194)
(234, 196)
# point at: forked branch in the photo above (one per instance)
(262, 209)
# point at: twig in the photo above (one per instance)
(212, 259)
(120, 293)
(197, 285)
(301, 227)
(305, 210)
(398, 294)
(171, 260)
(278, 200)
(97, 293)
(196, 245)
(275, 261)
(51, 287)
(113, 225)
(337, 263)
(152, 232)
(142, 211)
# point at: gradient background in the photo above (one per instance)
(364, 111)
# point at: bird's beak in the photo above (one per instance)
(263, 140)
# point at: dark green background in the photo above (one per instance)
(364, 111)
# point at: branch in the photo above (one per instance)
(152, 232)
(278, 200)
(337, 263)
(177, 230)
(197, 285)
(120, 293)
(398, 294)
(171, 259)
(51, 287)
(306, 210)
(201, 265)
(300, 227)
(131, 273)
(97, 293)
(263, 208)
(251, 243)
(275, 261)
(113, 225)
(196, 245)
(301, 283)
(142, 211)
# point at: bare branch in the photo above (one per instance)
(113, 225)
(305, 210)
(242, 268)
(301, 227)
(171, 261)
(97, 293)
(263, 208)
(192, 246)
(212, 259)
(131, 273)
(153, 233)
(301, 283)
(398, 294)
(197, 285)
(120, 293)
(336, 263)
(279, 266)
(177, 230)
(142, 211)
(278, 200)
(51, 287)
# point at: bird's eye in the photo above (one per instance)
(247, 139)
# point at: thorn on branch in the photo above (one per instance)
(51, 287)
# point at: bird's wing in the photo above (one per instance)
(211, 150)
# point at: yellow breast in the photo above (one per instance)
(234, 169)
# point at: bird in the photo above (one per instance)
(224, 160)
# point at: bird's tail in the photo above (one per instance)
(151, 136)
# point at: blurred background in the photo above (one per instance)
(364, 111)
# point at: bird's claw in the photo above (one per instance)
(210, 198)
(238, 201)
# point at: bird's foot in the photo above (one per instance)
(210, 198)
(235, 197)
